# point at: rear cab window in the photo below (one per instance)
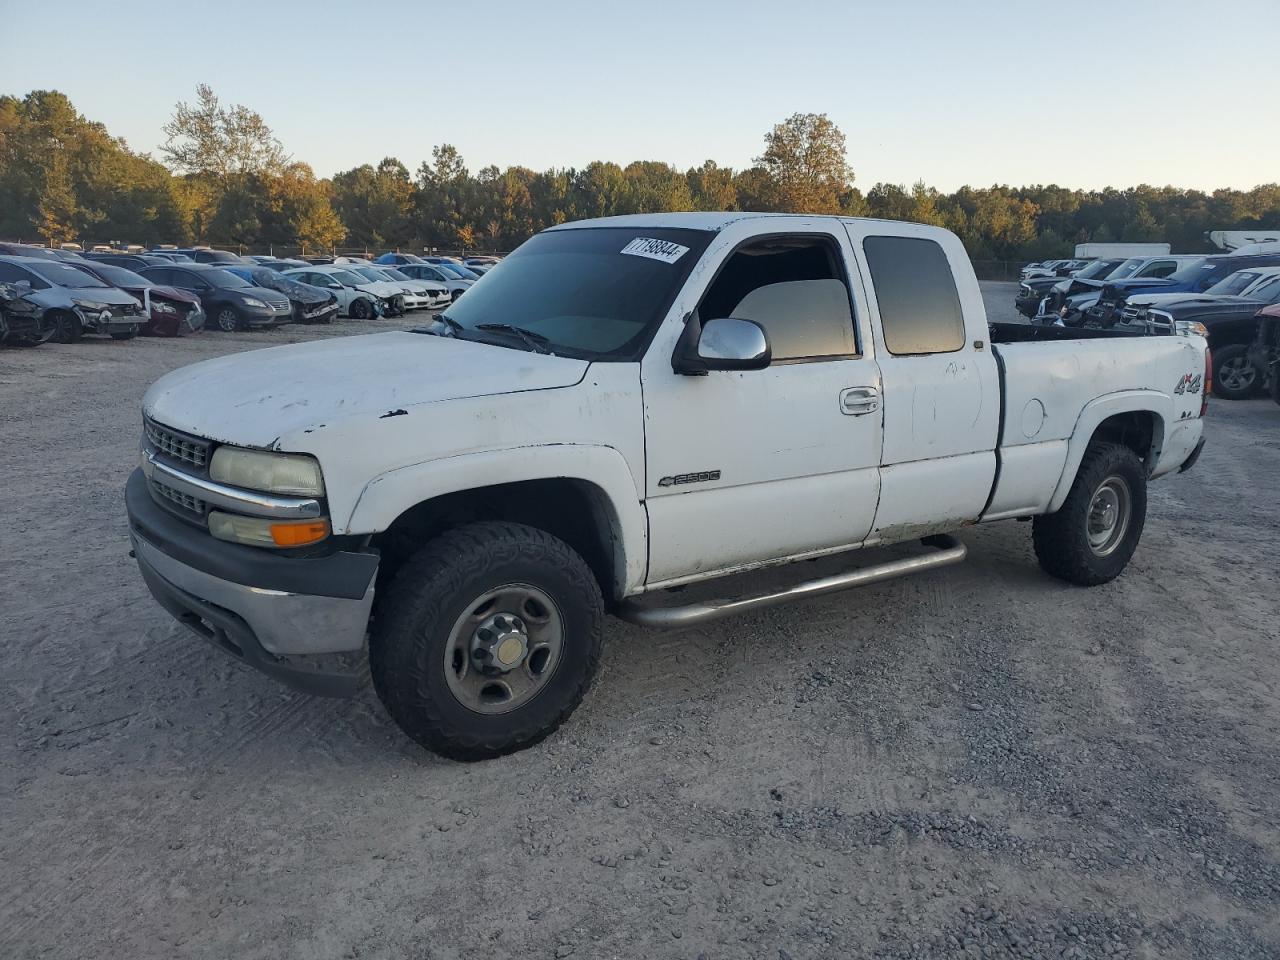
(919, 305)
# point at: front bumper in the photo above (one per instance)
(109, 322)
(312, 313)
(270, 317)
(26, 326)
(301, 620)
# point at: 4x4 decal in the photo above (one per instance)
(1190, 383)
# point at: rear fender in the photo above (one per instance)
(1094, 413)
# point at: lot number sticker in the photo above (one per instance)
(663, 250)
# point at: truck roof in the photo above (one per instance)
(711, 220)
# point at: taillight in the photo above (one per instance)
(1208, 380)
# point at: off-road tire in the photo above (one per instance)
(414, 618)
(1234, 353)
(67, 328)
(1062, 539)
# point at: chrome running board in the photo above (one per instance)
(950, 550)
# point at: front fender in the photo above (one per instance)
(386, 497)
(1100, 409)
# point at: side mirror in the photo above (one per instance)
(723, 344)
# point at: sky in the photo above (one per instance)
(1084, 94)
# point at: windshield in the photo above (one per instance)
(225, 279)
(595, 293)
(270, 279)
(1126, 269)
(370, 274)
(1192, 271)
(59, 274)
(395, 274)
(461, 273)
(347, 278)
(1096, 270)
(1234, 283)
(1267, 292)
(121, 277)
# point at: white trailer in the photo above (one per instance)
(1099, 251)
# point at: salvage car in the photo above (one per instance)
(1264, 352)
(169, 312)
(75, 302)
(357, 298)
(1032, 291)
(630, 405)
(23, 322)
(429, 293)
(230, 302)
(1069, 300)
(310, 304)
(455, 285)
(129, 261)
(398, 259)
(208, 255)
(1195, 277)
(1230, 322)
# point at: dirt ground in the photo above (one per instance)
(981, 761)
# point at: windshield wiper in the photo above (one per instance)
(453, 327)
(534, 341)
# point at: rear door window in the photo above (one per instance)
(919, 305)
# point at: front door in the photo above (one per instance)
(745, 467)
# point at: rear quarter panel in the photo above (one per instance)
(1056, 395)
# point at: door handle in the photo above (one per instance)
(858, 401)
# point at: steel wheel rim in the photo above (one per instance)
(1108, 518)
(226, 319)
(1237, 373)
(496, 622)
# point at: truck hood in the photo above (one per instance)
(1211, 309)
(256, 399)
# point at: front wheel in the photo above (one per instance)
(67, 328)
(1094, 534)
(1234, 375)
(360, 309)
(227, 319)
(487, 640)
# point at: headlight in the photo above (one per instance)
(255, 303)
(159, 306)
(286, 473)
(257, 532)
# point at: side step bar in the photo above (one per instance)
(950, 550)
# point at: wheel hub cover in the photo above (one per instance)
(500, 643)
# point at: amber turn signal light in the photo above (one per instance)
(299, 534)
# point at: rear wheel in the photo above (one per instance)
(1094, 534)
(1234, 375)
(227, 319)
(67, 327)
(487, 640)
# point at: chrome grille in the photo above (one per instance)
(176, 446)
(184, 500)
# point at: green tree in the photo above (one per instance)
(804, 158)
(213, 140)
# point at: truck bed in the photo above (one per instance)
(1004, 332)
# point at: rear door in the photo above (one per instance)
(940, 381)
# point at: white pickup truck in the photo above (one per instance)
(620, 407)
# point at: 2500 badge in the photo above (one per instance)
(681, 478)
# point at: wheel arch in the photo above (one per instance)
(1137, 419)
(585, 495)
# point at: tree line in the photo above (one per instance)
(224, 179)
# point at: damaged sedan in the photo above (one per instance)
(73, 301)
